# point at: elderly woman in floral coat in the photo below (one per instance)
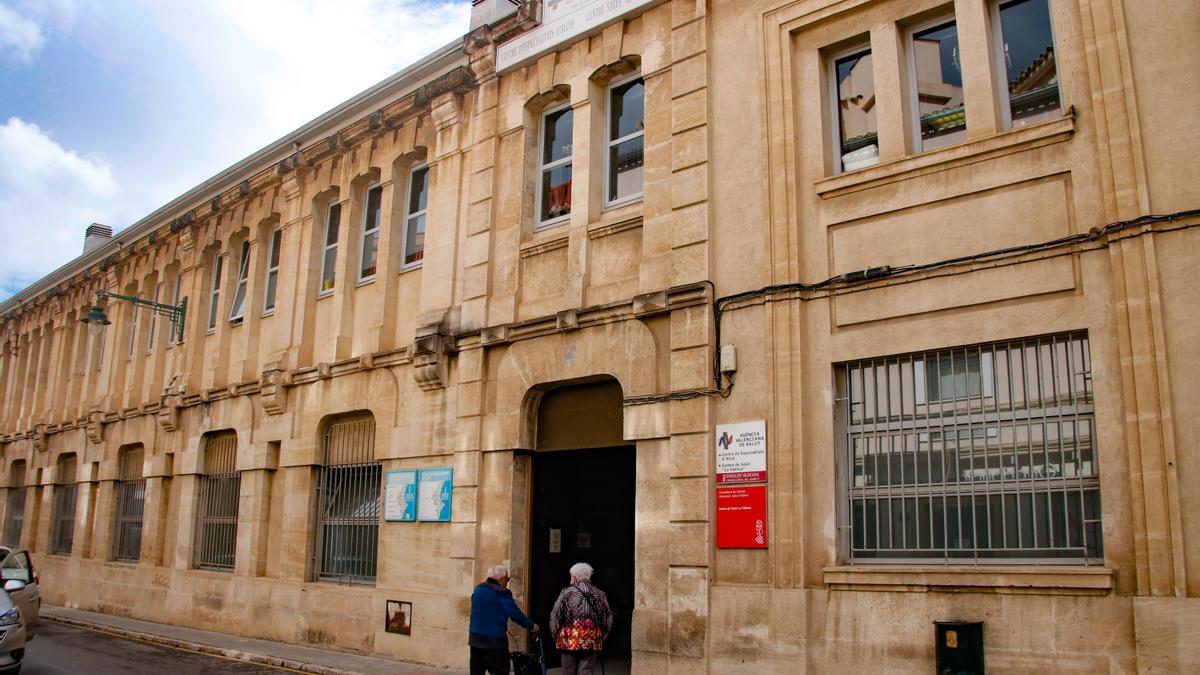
(580, 621)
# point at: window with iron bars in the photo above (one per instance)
(65, 489)
(217, 507)
(970, 455)
(14, 510)
(130, 504)
(348, 484)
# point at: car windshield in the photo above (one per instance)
(15, 566)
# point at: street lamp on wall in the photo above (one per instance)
(96, 319)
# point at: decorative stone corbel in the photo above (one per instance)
(168, 413)
(95, 426)
(431, 351)
(494, 335)
(39, 437)
(648, 304)
(568, 319)
(273, 390)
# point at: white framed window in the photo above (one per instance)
(333, 218)
(624, 134)
(172, 339)
(99, 342)
(852, 93)
(554, 166)
(133, 328)
(272, 282)
(936, 86)
(237, 310)
(1025, 56)
(368, 261)
(214, 293)
(153, 320)
(987, 457)
(414, 216)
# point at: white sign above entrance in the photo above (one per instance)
(562, 21)
(742, 452)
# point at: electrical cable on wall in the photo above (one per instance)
(870, 274)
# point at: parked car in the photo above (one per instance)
(21, 583)
(20, 604)
(12, 636)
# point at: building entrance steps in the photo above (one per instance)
(252, 650)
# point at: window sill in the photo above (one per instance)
(325, 294)
(1008, 142)
(624, 202)
(412, 266)
(364, 282)
(544, 242)
(552, 223)
(1024, 579)
(269, 312)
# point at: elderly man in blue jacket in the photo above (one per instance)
(492, 606)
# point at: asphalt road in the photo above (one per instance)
(66, 649)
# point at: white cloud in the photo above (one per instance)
(20, 36)
(48, 195)
(276, 64)
(206, 84)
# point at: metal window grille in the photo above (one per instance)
(348, 487)
(14, 510)
(64, 506)
(981, 454)
(217, 510)
(130, 505)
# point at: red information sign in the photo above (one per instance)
(742, 517)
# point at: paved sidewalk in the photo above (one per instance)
(252, 650)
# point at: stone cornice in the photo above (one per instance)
(271, 383)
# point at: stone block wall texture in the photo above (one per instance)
(449, 357)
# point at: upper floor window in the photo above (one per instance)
(333, 218)
(936, 73)
(626, 128)
(1026, 46)
(133, 329)
(238, 309)
(372, 216)
(173, 337)
(857, 139)
(414, 223)
(554, 165)
(272, 271)
(214, 294)
(153, 319)
(980, 454)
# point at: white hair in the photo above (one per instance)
(497, 571)
(582, 570)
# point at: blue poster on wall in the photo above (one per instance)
(400, 496)
(435, 494)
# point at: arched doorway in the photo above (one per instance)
(582, 505)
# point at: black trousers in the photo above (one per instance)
(491, 661)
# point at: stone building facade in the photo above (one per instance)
(957, 266)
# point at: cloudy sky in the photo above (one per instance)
(111, 108)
